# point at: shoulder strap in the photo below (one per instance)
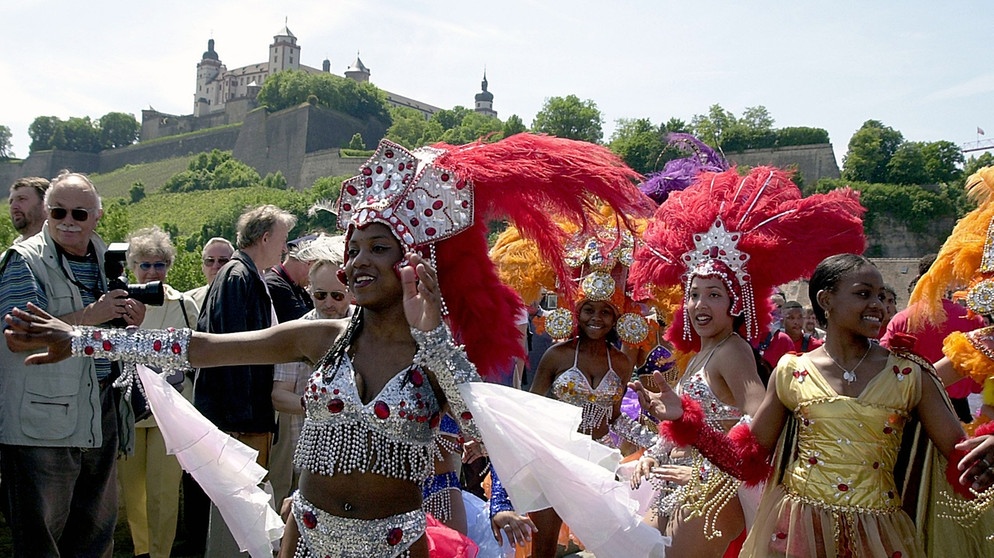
(182, 306)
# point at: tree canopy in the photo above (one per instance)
(290, 88)
(6, 147)
(456, 126)
(217, 170)
(569, 117)
(113, 130)
(878, 153)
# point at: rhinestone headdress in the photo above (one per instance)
(439, 201)
(753, 232)
(406, 191)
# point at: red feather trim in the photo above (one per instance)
(483, 312)
(984, 429)
(953, 473)
(685, 430)
(738, 453)
(535, 181)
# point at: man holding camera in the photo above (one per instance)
(62, 425)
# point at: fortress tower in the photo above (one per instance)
(485, 100)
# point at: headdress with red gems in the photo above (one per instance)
(439, 201)
(754, 232)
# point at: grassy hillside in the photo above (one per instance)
(117, 183)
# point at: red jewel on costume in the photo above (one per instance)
(177, 349)
(381, 410)
(800, 375)
(466, 415)
(310, 520)
(336, 405)
(901, 373)
(417, 378)
(435, 419)
(394, 536)
(97, 335)
(157, 345)
(107, 345)
(88, 350)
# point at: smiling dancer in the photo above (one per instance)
(416, 227)
(724, 238)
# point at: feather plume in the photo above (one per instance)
(678, 174)
(958, 263)
(785, 235)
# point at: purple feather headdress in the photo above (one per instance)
(680, 173)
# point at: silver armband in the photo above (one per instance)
(438, 353)
(164, 348)
(633, 431)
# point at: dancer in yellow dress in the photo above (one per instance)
(834, 491)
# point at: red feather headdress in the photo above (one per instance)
(754, 232)
(438, 200)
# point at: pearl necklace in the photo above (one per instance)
(850, 375)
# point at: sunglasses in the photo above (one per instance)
(209, 261)
(59, 213)
(337, 296)
(159, 266)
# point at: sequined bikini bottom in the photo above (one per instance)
(323, 534)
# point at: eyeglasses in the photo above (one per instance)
(209, 261)
(159, 266)
(337, 296)
(59, 213)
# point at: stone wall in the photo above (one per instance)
(283, 140)
(813, 162)
(328, 162)
(223, 139)
(890, 238)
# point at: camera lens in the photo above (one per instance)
(149, 293)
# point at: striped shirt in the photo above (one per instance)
(19, 286)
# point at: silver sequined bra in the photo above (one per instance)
(392, 435)
(715, 410)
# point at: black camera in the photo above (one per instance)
(115, 263)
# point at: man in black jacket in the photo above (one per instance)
(237, 398)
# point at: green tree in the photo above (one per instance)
(973, 164)
(870, 149)
(290, 88)
(801, 135)
(712, 127)
(638, 142)
(6, 147)
(674, 125)
(115, 225)
(81, 134)
(118, 129)
(356, 142)
(408, 126)
(569, 117)
(513, 125)
(275, 180)
(215, 170)
(137, 192)
(942, 161)
(42, 132)
(907, 165)
(474, 126)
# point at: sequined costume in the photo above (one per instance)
(598, 402)
(709, 489)
(391, 435)
(437, 489)
(838, 495)
(346, 537)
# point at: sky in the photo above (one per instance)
(917, 66)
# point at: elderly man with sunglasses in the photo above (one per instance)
(62, 425)
(217, 252)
